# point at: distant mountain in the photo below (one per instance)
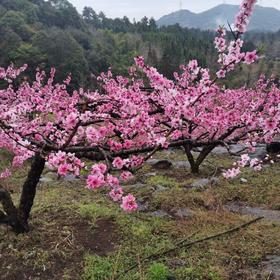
(263, 19)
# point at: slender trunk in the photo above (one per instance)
(195, 169)
(10, 217)
(30, 186)
(194, 166)
(195, 163)
(17, 218)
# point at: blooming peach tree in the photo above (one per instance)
(45, 122)
(195, 112)
(120, 126)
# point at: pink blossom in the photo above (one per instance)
(139, 61)
(232, 173)
(116, 194)
(258, 167)
(126, 175)
(118, 163)
(128, 144)
(242, 19)
(129, 203)
(161, 141)
(221, 74)
(254, 162)
(95, 182)
(99, 168)
(92, 135)
(71, 120)
(112, 181)
(251, 57)
(63, 169)
(5, 174)
(244, 160)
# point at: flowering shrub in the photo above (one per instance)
(46, 122)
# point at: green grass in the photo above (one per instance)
(61, 242)
(162, 181)
(97, 268)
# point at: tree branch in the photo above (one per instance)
(182, 244)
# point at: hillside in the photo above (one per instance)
(264, 19)
(53, 34)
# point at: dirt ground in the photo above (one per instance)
(80, 234)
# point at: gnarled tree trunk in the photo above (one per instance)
(195, 163)
(17, 217)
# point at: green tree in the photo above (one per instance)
(64, 53)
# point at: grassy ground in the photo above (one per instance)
(80, 234)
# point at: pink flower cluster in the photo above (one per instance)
(65, 163)
(5, 174)
(230, 54)
(129, 203)
(232, 173)
(242, 18)
(99, 177)
(254, 163)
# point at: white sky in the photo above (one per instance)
(155, 8)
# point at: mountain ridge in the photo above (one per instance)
(263, 19)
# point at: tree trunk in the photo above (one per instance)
(17, 218)
(195, 163)
(30, 185)
(195, 169)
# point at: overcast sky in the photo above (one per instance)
(155, 8)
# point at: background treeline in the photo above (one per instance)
(52, 33)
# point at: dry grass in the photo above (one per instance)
(68, 222)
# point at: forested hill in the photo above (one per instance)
(263, 19)
(53, 34)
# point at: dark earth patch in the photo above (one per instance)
(55, 247)
(102, 240)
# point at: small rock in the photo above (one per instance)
(152, 161)
(181, 164)
(236, 148)
(70, 177)
(201, 183)
(160, 214)
(269, 215)
(135, 186)
(49, 177)
(142, 207)
(150, 174)
(162, 164)
(176, 263)
(272, 264)
(260, 152)
(273, 148)
(160, 188)
(219, 151)
(243, 180)
(183, 213)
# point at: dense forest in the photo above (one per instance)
(52, 33)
